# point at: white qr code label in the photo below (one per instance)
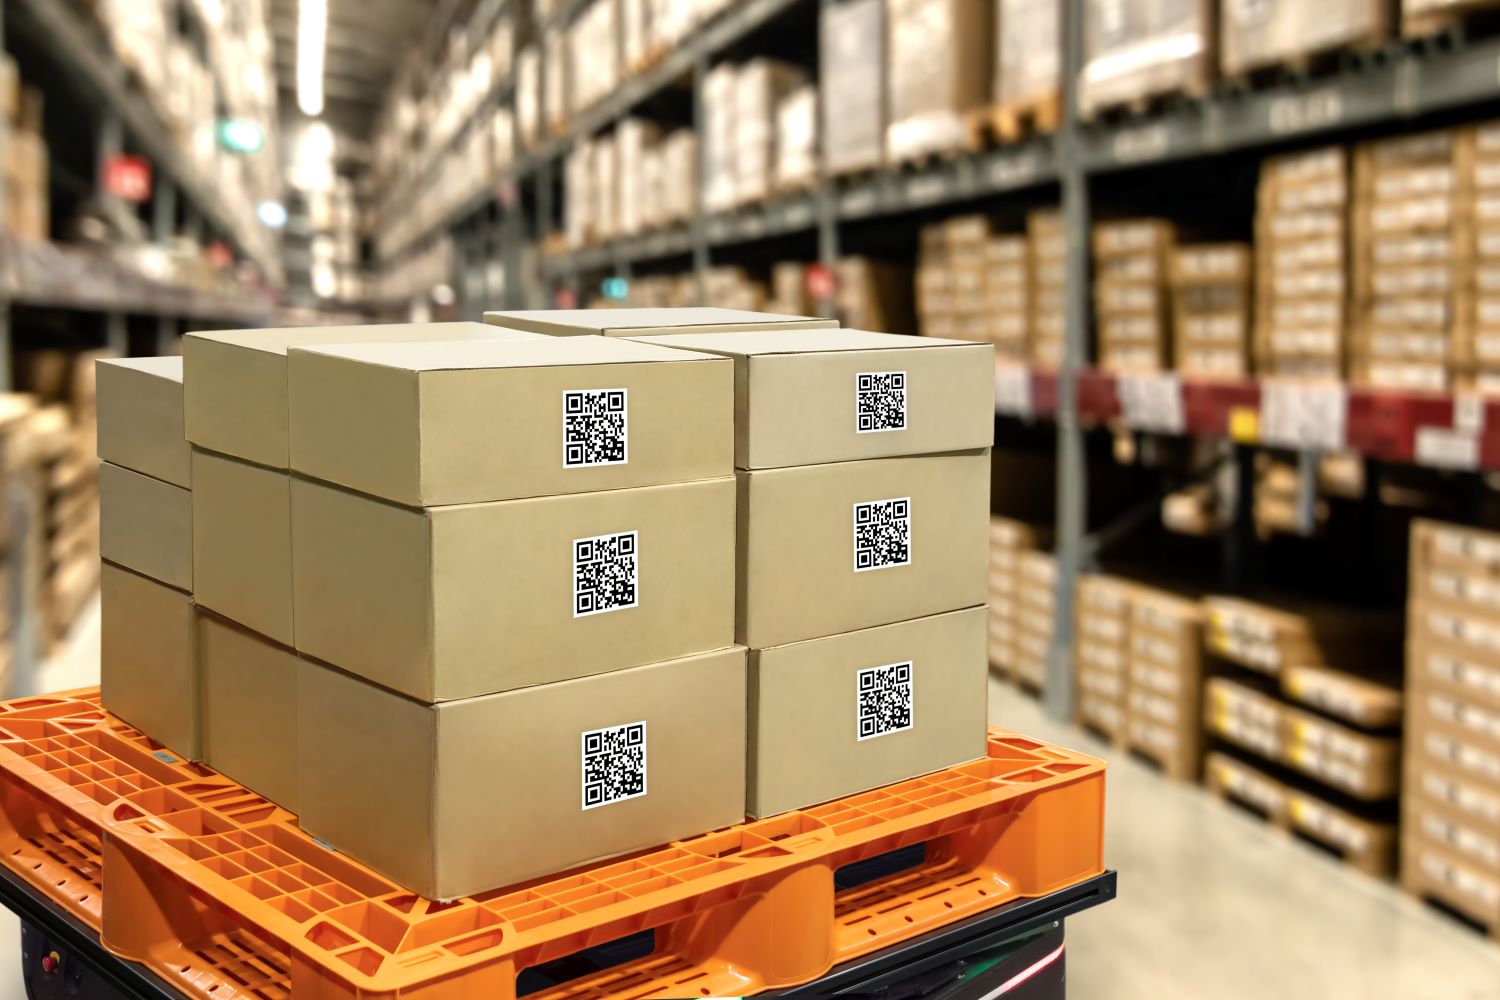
(879, 402)
(606, 570)
(614, 764)
(885, 700)
(596, 427)
(882, 534)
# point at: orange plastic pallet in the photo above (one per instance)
(217, 890)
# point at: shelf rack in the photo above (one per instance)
(1375, 90)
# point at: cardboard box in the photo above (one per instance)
(146, 525)
(815, 396)
(434, 424)
(648, 322)
(869, 707)
(826, 549)
(456, 602)
(235, 381)
(248, 694)
(242, 543)
(140, 417)
(148, 658)
(468, 796)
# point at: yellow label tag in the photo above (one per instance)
(1244, 424)
(1294, 685)
(1299, 810)
(1303, 756)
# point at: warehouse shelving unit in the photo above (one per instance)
(1376, 90)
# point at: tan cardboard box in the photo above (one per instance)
(806, 397)
(242, 543)
(248, 694)
(432, 424)
(146, 525)
(836, 716)
(235, 381)
(825, 549)
(468, 796)
(648, 322)
(148, 658)
(455, 602)
(140, 417)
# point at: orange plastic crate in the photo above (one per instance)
(217, 890)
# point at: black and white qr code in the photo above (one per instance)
(885, 700)
(614, 764)
(606, 570)
(595, 427)
(879, 402)
(882, 534)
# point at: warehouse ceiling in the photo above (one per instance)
(368, 43)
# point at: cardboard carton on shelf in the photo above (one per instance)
(601, 766)
(873, 707)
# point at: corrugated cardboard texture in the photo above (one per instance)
(468, 796)
(140, 417)
(146, 525)
(235, 397)
(148, 658)
(797, 397)
(249, 703)
(455, 602)
(242, 543)
(797, 554)
(805, 702)
(436, 424)
(648, 322)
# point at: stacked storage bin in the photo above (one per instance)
(863, 470)
(1130, 294)
(1100, 652)
(1211, 310)
(1048, 246)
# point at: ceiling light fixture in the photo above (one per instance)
(312, 43)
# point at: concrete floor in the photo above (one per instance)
(1213, 904)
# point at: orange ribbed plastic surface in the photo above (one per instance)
(217, 890)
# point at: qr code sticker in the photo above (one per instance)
(880, 402)
(882, 534)
(606, 569)
(614, 764)
(595, 427)
(885, 700)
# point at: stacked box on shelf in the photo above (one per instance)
(1028, 51)
(1163, 719)
(789, 292)
(1422, 18)
(22, 545)
(938, 64)
(1254, 37)
(1479, 295)
(593, 53)
(1100, 653)
(852, 85)
(1139, 51)
(1007, 293)
(1301, 257)
(796, 140)
(1008, 540)
(1450, 832)
(1047, 249)
(1211, 310)
(1412, 200)
(874, 294)
(1130, 294)
(23, 159)
(952, 279)
(838, 594)
(760, 88)
(1036, 612)
(149, 628)
(719, 137)
(636, 139)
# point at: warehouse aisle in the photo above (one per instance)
(1252, 914)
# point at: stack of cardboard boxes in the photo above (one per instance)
(1008, 540)
(951, 279)
(1007, 296)
(23, 161)
(1301, 234)
(938, 65)
(1100, 650)
(861, 557)
(1211, 309)
(1411, 201)
(1047, 241)
(1036, 596)
(1450, 829)
(1479, 295)
(1131, 293)
(414, 582)
(853, 85)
